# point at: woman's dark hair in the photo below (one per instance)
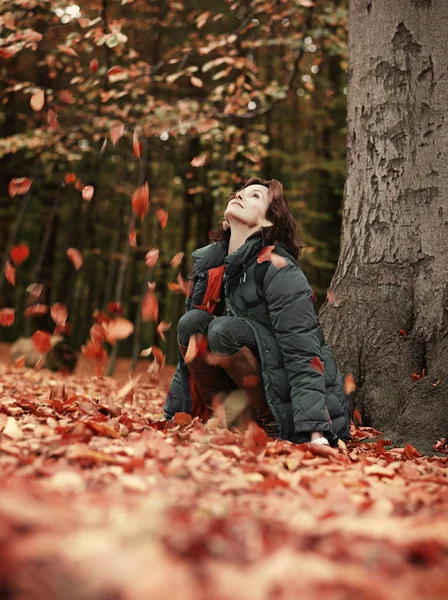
(284, 231)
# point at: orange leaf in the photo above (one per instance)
(66, 50)
(70, 178)
(197, 346)
(87, 193)
(19, 253)
(66, 97)
(115, 308)
(182, 418)
(150, 307)
(116, 132)
(158, 355)
(37, 100)
(94, 65)
(115, 71)
(42, 341)
(140, 199)
(7, 316)
(161, 328)
(255, 438)
(10, 273)
(132, 238)
(357, 416)
(265, 254)
(162, 216)
(349, 384)
(19, 185)
(118, 329)
(151, 257)
(59, 313)
(196, 82)
(199, 161)
(36, 310)
(176, 260)
(98, 334)
(136, 145)
(317, 364)
(403, 332)
(75, 257)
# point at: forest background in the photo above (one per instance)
(131, 122)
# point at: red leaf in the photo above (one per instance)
(94, 65)
(118, 329)
(176, 260)
(59, 313)
(255, 438)
(75, 257)
(162, 217)
(66, 50)
(19, 253)
(70, 178)
(136, 145)
(115, 71)
(116, 132)
(7, 316)
(42, 341)
(19, 185)
(151, 257)
(265, 254)
(115, 308)
(150, 307)
(182, 418)
(161, 328)
(317, 364)
(36, 310)
(10, 273)
(140, 199)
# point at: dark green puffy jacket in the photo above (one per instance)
(288, 335)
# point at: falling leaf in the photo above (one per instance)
(66, 50)
(132, 237)
(116, 132)
(161, 328)
(136, 145)
(59, 313)
(152, 257)
(199, 161)
(37, 100)
(317, 364)
(265, 254)
(118, 329)
(70, 178)
(19, 253)
(52, 120)
(357, 416)
(94, 65)
(403, 332)
(140, 200)
(150, 307)
(197, 346)
(19, 186)
(10, 273)
(42, 341)
(196, 82)
(7, 316)
(87, 193)
(255, 438)
(66, 97)
(349, 384)
(162, 217)
(115, 71)
(177, 259)
(75, 257)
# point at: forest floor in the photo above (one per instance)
(100, 500)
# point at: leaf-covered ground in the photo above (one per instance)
(101, 500)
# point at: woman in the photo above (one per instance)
(269, 343)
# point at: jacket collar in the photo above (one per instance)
(215, 254)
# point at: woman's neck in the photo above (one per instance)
(238, 237)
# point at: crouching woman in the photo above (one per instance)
(256, 312)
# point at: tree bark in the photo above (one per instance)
(392, 273)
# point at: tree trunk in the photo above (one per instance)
(392, 273)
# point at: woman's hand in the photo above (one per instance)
(316, 434)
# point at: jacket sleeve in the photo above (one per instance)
(291, 313)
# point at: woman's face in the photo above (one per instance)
(249, 206)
